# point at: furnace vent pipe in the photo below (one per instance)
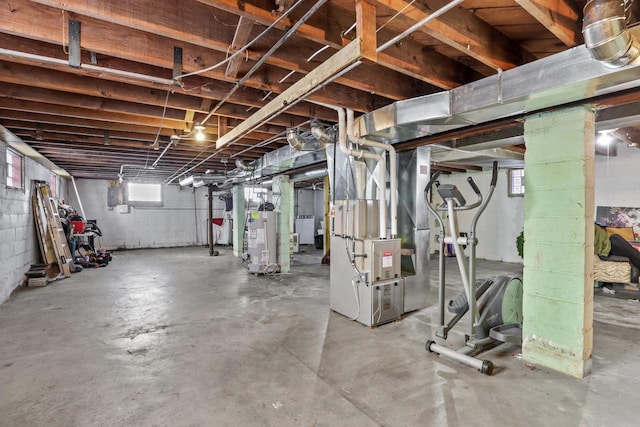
(393, 179)
(294, 139)
(605, 32)
(321, 134)
(298, 143)
(244, 167)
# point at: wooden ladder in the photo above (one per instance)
(55, 231)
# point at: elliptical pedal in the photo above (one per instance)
(460, 305)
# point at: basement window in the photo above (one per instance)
(516, 182)
(15, 168)
(144, 195)
(53, 184)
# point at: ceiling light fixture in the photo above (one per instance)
(199, 128)
(604, 138)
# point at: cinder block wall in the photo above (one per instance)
(181, 222)
(18, 242)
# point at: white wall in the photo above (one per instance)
(310, 202)
(617, 178)
(18, 241)
(181, 222)
(499, 225)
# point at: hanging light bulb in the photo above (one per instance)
(199, 128)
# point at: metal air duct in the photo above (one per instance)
(294, 140)
(244, 167)
(320, 132)
(304, 141)
(605, 32)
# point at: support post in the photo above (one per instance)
(558, 230)
(327, 207)
(239, 218)
(282, 191)
(210, 220)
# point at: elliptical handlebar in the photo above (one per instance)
(492, 186)
(433, 179)
(473, 185)
(494, 176)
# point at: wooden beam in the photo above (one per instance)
(240, 39)
(38, 104)
(207, 89)
(366, 29)
(345, 57)
(461, 29)
(139, 41)
(561, 17)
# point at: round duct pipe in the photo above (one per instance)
(605, 32)
(294, 139)
(244, 166)
(320, 132)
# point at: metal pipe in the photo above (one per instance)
(166, 148)
(484, 366)
(246, 46)
(393, 174)
(75, 188)
(342, 143)
(264, 57)
(294, 139)
(441, 266)
(210, 221)
(243, 166)
(461, 259)
(419, 24)
(605, 32)
(88, 67)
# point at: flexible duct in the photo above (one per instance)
(392, 170)
(317, 131)
(605, 32)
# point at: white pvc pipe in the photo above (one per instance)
(382, 169)
(392, 171)
(73, 181)
(88, 67)
(382, 166)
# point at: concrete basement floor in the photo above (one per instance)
(175, 337)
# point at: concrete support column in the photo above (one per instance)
(239, 216)
(558, 230)
(282, 191)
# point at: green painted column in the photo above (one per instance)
(282, 192)
(558, 249)
(239, 216)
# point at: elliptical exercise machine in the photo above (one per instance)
(496, 304)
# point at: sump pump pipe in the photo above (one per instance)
(392, 171)
(360, 154)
